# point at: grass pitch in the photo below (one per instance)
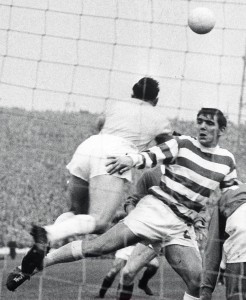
(82, 280)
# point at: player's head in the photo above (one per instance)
(211, 125)
(214, 113)
(146, 89)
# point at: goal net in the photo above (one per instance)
(74, 55)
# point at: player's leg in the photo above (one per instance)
(187, 262)
(105, 191)
(106, 195)
(115, 238)
(108, 280)
(235, 281)
(68, 224)
(140, 256)
(151, 269)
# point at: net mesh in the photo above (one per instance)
(71, 56)
(74, 56)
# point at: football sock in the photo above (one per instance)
(75, 225)
(67, 253)
(107, 282)
(149, 273)
(64, 217)
(189, 297)
(124, 292)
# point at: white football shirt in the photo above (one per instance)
(135, 120)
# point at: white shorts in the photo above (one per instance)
(90, 157)
(235, 245)
(124, 253)
(156, 223)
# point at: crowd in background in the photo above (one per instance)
(35, 148)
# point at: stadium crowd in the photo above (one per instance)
(35, 148)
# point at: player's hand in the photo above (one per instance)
(199, 230)
(119, 164)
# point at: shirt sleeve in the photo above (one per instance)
(230, 179)
(164, 153)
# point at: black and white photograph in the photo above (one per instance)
(122, 159)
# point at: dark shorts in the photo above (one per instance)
(236, 281)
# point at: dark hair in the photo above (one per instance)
(146, 89)
(214, 112)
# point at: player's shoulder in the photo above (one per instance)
(187, 139)
(118, 103)
(225, 152)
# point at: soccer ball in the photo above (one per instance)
(201, 20)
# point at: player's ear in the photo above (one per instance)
(222, 130)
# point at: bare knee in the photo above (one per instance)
(127, 275)
(108, 242)
(193, 283)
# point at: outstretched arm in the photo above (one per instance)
(164, 153)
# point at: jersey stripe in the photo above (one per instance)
(217, 154)
(164, 153)
(193, 175)
(180, 199)
(192, 185)
(183, 190)
(193, 171)
(204, 172)
(208, 163)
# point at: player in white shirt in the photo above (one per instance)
(126, 127)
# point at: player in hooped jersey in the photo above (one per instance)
(193, 169)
